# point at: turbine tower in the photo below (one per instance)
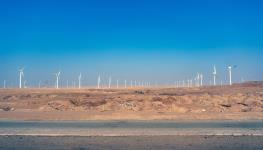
(230, 74)
(99, 82)
(201, 79)
(79, 80)
(39, 84)
(125, 84)
(109, 82)
(214, 74)
(21, 74)
(242, 80)
(198, 79)
(117, 84)
(57, 78)
(25, 84)
(4, 84)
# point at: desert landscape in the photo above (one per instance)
(237, 102)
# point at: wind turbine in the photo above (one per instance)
(99, 82)
(57, 78)
(117, 83)
(4, 84)
(125, 84)
(109, 82)
(201, 79)
(21, 74)
(39, 84)
(198, 79)
(214, 74)
(242, 80)
(25, 84)
(79, 77)
(230, 74)
(180, 85)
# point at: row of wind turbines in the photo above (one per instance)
(133, 83)
(197, 81)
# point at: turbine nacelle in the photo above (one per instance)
(214, 72)
(57, 74)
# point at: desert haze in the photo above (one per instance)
(237, 102)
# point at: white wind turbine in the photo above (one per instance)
(201, 79)
(79, 77)
(39, 84)
(98, 82)
(21, 74)
(242, 80)
(214, 75)
(125, 84)
(4, 84)
(198, 79)
(57, 78)
(25, 84)
(230, 74)
(117, 84)
(109, 82)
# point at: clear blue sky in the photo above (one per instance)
(146, 40)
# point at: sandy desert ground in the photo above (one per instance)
(237, 102)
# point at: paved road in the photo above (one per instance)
(130, 135)
(130, 128)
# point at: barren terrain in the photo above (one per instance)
(242, 101)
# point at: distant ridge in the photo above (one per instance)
(250, 83)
